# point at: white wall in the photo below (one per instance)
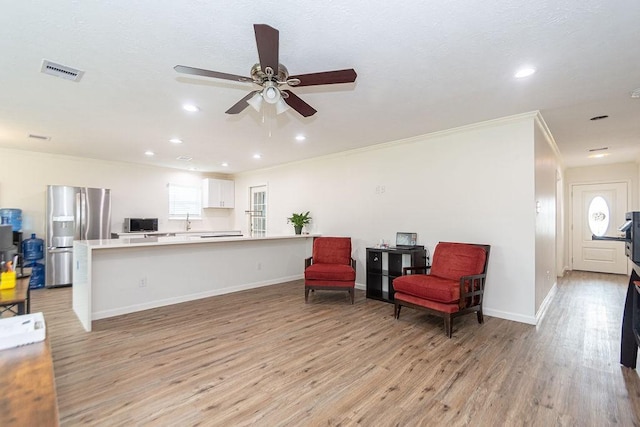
(561, 231)
(137, 191)
(472, 184)
(546, 165)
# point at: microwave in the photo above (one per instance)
(133, 225)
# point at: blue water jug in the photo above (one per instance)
(36, 280)
(33, 248)
(12, 217)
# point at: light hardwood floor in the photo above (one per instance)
(263, 357)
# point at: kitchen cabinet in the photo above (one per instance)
(218, 193)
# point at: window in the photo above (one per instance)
(185, 200)
(598, 216)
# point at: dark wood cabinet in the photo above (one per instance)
(385, 264)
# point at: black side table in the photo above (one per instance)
(385, 264)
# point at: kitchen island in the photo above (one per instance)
(118, 276)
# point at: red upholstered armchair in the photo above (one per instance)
(331, 267)
(455, 285)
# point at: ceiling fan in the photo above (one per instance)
(271, 75)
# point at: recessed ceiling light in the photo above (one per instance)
(175, 141)
(191, 108)
(257, 156)
(225, 164)
(524, 72)
(598, 118)
(184, 158)
(149, 153)
(300, 138)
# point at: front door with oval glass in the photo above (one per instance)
(598, 209)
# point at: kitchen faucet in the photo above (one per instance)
(188, 222)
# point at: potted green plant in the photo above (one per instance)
(299, 220)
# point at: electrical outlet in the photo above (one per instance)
(142, 283)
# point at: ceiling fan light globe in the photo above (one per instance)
(271, 94)
(256, 101)
(281, 106)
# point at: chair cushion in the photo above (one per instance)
(329, 284)
(336, 272)
(332, 250)
(428, 287)
(433, 305)
(454, 260)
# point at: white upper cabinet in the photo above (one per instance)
(218, 193)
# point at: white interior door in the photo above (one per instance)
(258, 211)
(598, 209)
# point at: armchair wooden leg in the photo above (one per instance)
(306, 295)
(480, 316)
(352, 294)
(447, 325)
(396, 310)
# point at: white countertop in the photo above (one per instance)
(179, 233)
(178, 240)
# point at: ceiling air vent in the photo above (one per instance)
(60, 70)
(42, 137)
(184, 158)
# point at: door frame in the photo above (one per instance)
(570, 216)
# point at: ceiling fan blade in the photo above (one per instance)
(326, 77)
(242, 104)
(267, 40)
(298, 104)
(208, 73)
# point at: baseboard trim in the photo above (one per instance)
(191, 297)
(546, 303)
(516, 317)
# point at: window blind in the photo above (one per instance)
(185, 200)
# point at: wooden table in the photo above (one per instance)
(27, 386)
(16, 299)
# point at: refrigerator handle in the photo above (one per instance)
(83, 215)
(81, 208)
(54, 250)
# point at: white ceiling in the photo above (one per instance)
(423, 66)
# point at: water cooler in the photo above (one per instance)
(33, 251)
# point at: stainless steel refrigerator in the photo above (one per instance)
(73, 213)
